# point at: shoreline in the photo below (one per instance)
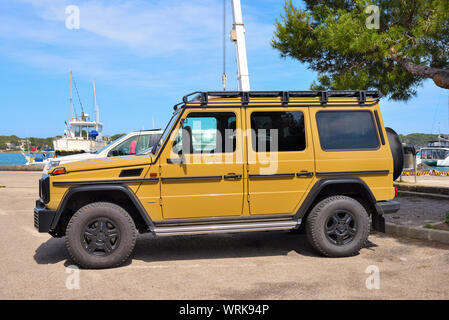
(7, 151)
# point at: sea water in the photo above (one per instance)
(12, 158)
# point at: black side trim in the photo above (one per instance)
(379, 128)
(279, 175)
(321, 184)
(345, 173)
(131, 173)
(96, 182)
(192, 178)
(123, 188)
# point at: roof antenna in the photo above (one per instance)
(224, 77)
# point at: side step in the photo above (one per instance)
(226, 228)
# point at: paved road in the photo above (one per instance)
(276, 265)
(418, 211)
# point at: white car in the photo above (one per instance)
(129, 144)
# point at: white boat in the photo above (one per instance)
(82, 135)
(41, 158)
(436, 154)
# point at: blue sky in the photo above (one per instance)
(144, 56)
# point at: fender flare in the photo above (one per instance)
(324, 182)
(119, 187)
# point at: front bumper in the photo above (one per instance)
(43, 217)
(382, 207)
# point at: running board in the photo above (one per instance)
(226, 228)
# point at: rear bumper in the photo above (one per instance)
(382, 207)
(43, 217)
(389, 206)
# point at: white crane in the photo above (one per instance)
(238, 37)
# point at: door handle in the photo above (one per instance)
(232, 176)
(304, 174)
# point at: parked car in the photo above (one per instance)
(143, 139)
(235, 162)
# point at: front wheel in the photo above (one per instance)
(338, 226)
(100, 235)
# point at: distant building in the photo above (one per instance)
(10, 146)
(23, 144)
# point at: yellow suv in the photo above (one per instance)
(321, 161)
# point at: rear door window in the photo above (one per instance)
(347, 130)
(278, 131)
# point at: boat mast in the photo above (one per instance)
(238, 37)
(97, 113)
(71, 101)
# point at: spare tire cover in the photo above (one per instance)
(397, 151)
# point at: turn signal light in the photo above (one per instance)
(59, 171)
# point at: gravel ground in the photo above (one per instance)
(416, 211)
(266, 265)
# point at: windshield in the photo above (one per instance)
(116, 140)
(155, 148)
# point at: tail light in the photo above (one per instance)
(396, 192)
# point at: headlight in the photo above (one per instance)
(53, 164)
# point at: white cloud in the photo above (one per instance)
(161, 35)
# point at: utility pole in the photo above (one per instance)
(238, 37)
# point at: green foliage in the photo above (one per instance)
(332, 38)
(40, 143)
(116, 136)
(418, 139)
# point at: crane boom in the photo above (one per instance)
(238, 36)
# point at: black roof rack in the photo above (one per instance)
(202, 98)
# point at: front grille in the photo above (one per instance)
(44, 189)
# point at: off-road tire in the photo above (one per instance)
(318, 217)
(104, 210)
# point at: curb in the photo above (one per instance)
(424, 195)
(34, 167)
(421, 188)
(417, 233)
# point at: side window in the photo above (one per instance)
(347, 130)
(212, 132)
(146, 141)
(280, 131)
(125, 148)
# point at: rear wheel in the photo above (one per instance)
(100, 235)
(338, 226)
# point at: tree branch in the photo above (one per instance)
(439, 76)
